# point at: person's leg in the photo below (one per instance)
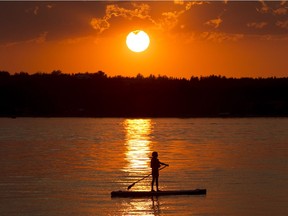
(152, 183)
(157, 183)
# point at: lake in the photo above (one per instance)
(69, 166)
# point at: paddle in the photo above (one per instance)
(130, 186)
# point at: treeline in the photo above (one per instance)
(97, 95)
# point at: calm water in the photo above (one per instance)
(69, 166)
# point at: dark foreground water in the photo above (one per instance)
(69, 166)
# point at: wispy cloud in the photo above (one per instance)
(221, 36)
(282, 24)
(34, 10)
(49, 6)
(40, 39)
(166, 20)
(257, 25)
(100, 24)
(213, 36)
(138, 11)
(214, 22)
(169, 19)
(274, 37)
(189, 4)
(180, 2)
(37, 40)
(281, 11)
(264, 7)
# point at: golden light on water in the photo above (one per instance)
(138, 144)
(138, 149)
(143, 207)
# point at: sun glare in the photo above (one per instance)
(137, 41)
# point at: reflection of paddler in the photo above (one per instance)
(155, 165)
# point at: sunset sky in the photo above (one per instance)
(233, 39)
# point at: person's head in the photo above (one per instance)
(155, 154)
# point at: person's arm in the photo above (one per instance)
(163, 164)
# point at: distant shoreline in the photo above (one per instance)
(98, 96)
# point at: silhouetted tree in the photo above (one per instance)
(56, 72)
(96, 94)
(4, 74)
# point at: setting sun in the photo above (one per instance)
(137, 41)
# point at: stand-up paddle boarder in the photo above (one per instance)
(155, 165)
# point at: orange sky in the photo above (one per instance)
(233, 39)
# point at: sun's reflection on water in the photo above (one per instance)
(138, 148)
(138, 142)
(141, 206)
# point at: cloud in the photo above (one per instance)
(140, 11)
(40, 39)
(213, 36)
(35, 11)
(49, 6)
(274, 37)
(180, 2)
(264, 7)
(256, 25)
(168, 20)
(37, 40)
(100, 24)
(221, 36)
(281, 11)
(282, 24)
(165, 20)
(113, 10)
(214, 22)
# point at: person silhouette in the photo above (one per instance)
(155, 165)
